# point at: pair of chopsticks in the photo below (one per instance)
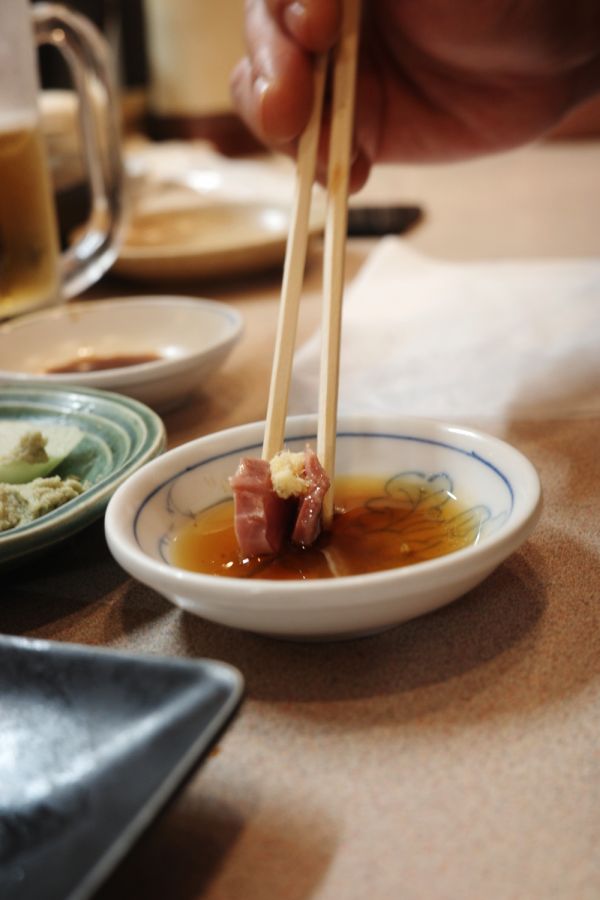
(338, 171)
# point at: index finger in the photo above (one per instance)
(314, 24)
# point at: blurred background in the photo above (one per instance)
(123, 24)
(172, 60)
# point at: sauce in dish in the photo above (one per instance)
(378, 524)
(97, 363)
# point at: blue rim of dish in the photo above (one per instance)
(72, 405)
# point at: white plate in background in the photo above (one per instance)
(190, 337)
(206, 240)
(197, 214)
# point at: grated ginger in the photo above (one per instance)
(287, 474)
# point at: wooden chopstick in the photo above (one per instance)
(293, 272)
(344, 79)
(338, 174)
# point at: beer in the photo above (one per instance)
(29, 250)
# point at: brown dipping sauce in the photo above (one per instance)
(373, 529)
(96, 363)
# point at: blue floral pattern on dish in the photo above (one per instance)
(436, 487)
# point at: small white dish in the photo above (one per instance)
(190, 338)
(145, 513)
(207, 240)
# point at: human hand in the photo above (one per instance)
(437, 80)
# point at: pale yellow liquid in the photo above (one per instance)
(28, 233)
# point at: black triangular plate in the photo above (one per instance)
(92, 745)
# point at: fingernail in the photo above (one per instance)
(260, 88)
(294, 15)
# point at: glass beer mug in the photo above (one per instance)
(33, 271)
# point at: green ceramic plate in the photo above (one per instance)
(120, 435)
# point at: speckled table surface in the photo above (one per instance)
(453, 757)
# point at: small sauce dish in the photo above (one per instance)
(155, 349)
(485, 473)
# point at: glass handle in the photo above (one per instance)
(87, 55)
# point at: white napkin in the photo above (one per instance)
(464, 341)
